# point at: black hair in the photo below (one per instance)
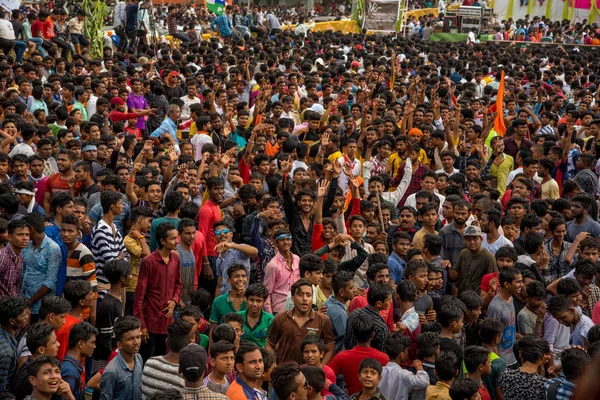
(372, 364)
(507, 252)
(178, 335)
(191, 311)
(76, 290)
(574, 362)
(173, 201)
(594, 334)
(362, 329)
(221, 347)
(535, 289)
(446, 365)
(109, 198)
(38, 336)
(448, 314)
(282, 376)
(489, 329)
(124, 325)
(116, 269)
(224, 332)
(585, 268)
(310, 263)
(81, 331)
(258, 290)
(567, 287)
(162, 231)
(245, 347)
(406, 290)
(234, 268)
(427, 344)
(532, 242)
(474, 357)
(532, 348)
(433, 244)
(471, 299)
(312, 339)
(53, 305)
(413, 267)
(507, 275)
(374, 269)
(36, 364)
(233, 317)
(315, 377)
(463, 389)
(378, 291)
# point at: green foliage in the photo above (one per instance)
(95, 11)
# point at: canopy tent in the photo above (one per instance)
(556, 10)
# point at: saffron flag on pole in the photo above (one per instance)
(499, 126)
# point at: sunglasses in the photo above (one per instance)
(219, 231)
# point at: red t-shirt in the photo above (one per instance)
(62, 335)
(36, 28)
(55, 184)
(209, 214)
(347, 362)
(244, 171)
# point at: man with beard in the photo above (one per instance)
(300, 213)
(473, 262)
(64, 180)
(249, 365)
(290, 327)
(452, 234)
(209, 214)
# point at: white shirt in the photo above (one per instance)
(412, 201)
(187, 102)
(198, 141)
(396, 382)
(519, 170)
(21, 148)
(356, 170)
(91, 106)
(6, 30)
(493, 247)
(119, 15)
(441, 171)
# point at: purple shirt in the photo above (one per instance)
(140, 103)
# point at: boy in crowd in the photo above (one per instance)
(490, 333)
(564, 311)
(122, 376)
(472, 302)
(530, 318)
(343, 292)
(346, 362)
(451, 317)
(41, 340)
(118, 274)
(369, 375)
(465, 389)
(397, 383)
(446, 369)
(313, 350)
(80, 295)
(232, 300)
(222, 360)
(82, 342)
(477, 364)
(45, 379)
(575, 364)
(416, 272)
(409, 321)
(256, 321)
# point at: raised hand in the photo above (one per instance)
(347, 168)
(148, 145)
(325, 140)
(353, 180)
(323, 187)
(337, 168)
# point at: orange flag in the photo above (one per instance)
(499, 126)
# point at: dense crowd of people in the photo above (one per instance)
(294, 214)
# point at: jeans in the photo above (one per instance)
(79, 39)
(64, 46)
(20, 48)
(181, 37)
(38, 45)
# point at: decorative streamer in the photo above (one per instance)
(548, 9)
(530, 6)
(509, 12)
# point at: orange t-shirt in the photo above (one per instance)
(62, 335)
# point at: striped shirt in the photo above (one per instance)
(81, 266)
(11, 267)
(107, 243)
(160, 375)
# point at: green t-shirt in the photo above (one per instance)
(259, 333)
(157, 222)
(221, 307)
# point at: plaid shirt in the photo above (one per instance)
(8, 359)
(593, 298)
(565, 389)
(415, 183)
(452, 243)
(11, 267)
(172, 21)
(223, 24)
(201, 393)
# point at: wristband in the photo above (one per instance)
(132, 180)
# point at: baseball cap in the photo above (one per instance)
(472, 231)
(117, 101)
(355, 64)
(192, 361)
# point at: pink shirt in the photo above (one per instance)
(209, 214)
(279, 280)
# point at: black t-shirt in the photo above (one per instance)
(88, 191)
(18, 28)
(173, 92)
(108, 311)
(450, 345)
